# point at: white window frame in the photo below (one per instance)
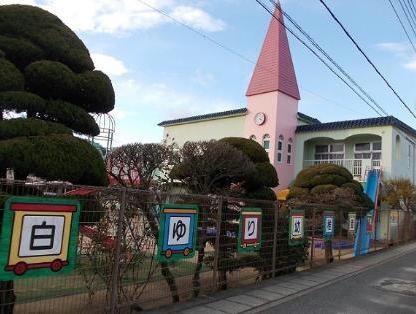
(279, 154)
(329, 153)
(371, 151)
(266, 137)
(253, 138)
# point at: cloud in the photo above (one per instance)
(402, 51)
(123, 16)
(108, 64)
(198, 18)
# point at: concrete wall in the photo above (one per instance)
(205, 130)
(403, 166)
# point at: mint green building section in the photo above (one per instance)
(162, 221)
(248, 249)
(6, 234)
(301, 241)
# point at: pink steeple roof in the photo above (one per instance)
(274, 70)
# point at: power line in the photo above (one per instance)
(407, 17)
(246, 59)
(320, 49)
(412, 11)
(367, 58)
(403, 27)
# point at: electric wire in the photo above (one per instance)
(407, 17)
(243, 57)
(368, 59)
(402, 25)
(320, 49)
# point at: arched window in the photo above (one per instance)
(266, 142)
(289, 151)
(253, 138)
(280, 149)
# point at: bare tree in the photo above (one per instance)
(399, 194)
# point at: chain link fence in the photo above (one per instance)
(117, 270)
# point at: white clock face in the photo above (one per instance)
(260, 118)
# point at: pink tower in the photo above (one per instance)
(272, 98)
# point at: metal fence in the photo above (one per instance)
(117, 269)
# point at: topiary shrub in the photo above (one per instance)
(10, 76)
(322, 189)
(46, 31)
(47, 73)
(50, 79)
(30, 127)
(297, 192)
(356, 186)
(267, 174)
(56, 157)
(252, 149)
(95, 92)
(19, 51)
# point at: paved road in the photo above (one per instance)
(387, 288)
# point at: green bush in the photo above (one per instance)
(10, 77)
(2, 54)
(263, 193)
(71, 116)
(323, 174)
(30, 127)
(267, 174)
(53, 157)
(22, 102)
(296, 192)
(46, 31)
(251, 148)
(95, 92)
(50, 79)
(356, 186)
(19, 51)
(322, 189)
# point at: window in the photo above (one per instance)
(253, 138)
(266, 142)
(329, 151)
(370, 150)
(280, 149)
(289, 152)
(398, 146)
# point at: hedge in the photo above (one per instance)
(30, 127)
(251, 148)
(71, 116)
(20, 51)
(22, 102)
(46, 31)
(267, 174)
(94, 92)
(50, 79)
(10, 77)
(53, 157)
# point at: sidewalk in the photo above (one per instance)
(250, 299)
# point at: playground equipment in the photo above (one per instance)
(366, 225)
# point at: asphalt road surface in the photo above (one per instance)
(387, 288)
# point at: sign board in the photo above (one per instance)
(296, 227)
(177, 232)
(39, 237)
(249, 235)
(328, 224)
(352, 218)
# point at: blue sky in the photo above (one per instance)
(161, 70)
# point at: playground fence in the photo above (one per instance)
(117, 265)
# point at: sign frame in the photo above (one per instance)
(250, 245)
(172, 252)
(294, 214)
(352, 216)
(21, 214)
(328, 234)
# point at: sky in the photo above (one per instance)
(161, 70)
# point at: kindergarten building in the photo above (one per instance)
(294, 140)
